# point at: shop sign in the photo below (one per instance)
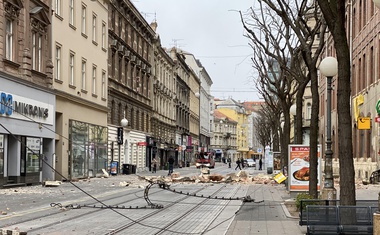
(364, 123)
(141, 144)
(378, 106)
(23, 108)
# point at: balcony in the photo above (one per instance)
(305, 122)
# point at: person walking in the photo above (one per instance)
(238, 164)
(171, 165)
(154, 165)
(242, 163)
(260, 164)
(229, 162)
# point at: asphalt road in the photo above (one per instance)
(108, 206)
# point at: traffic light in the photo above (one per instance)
(120, 132)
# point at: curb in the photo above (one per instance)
(286, 211)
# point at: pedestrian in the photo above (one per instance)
(242, 163)
(260, 164)
(229, 162)
(171, 165)
(154, 165)
(238, 164)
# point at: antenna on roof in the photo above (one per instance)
(175, 43)
(146, 14)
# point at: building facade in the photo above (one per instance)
(164, 105)
(182, 73)
(224, 140)
(130, 58)
(80, 83)
(27, 98)
(205, 99)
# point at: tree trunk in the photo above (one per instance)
(314, 130)
(334, 13)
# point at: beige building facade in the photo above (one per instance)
(26, 95)
(79, 45)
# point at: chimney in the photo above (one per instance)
(154, 25)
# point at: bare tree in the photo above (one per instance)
(303, 17)
(334, 13)
(274, 47)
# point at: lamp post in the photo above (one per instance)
(123, 123)
(328, 68)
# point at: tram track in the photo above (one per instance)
(54, 218)
(63, 208)
(180, 216)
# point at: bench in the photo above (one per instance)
(322, 219)
(356, 219)
(322, 202)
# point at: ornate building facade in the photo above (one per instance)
(26, 94)
(130, 58)
(164, 106)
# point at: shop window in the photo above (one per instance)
(32, 162)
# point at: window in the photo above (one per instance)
(94, 28)
(9, 40)
(84, 75)
(104, 35)
(71, 12)
(58, 7)
(94, 80)
(36, 51)
(104, 84)
(71, 68)
(58, 62)
(83, 20)
(308, 111)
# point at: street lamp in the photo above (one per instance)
(293, 111)
(123, 123)
(328, 68)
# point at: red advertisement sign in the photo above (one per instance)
(299, 158)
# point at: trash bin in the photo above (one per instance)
(187, 164)
(126, 169)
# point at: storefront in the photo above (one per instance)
(88, 148)
(26, 136)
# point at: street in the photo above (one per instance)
(120, 205)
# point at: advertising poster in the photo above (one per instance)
(299, 167)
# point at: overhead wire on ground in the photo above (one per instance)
(70, 182)
(79, 188)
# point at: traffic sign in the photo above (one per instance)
(377, 119)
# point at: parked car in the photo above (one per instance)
(250, 162)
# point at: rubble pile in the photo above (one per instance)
(240, 177)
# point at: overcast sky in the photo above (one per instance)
(212, 31)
